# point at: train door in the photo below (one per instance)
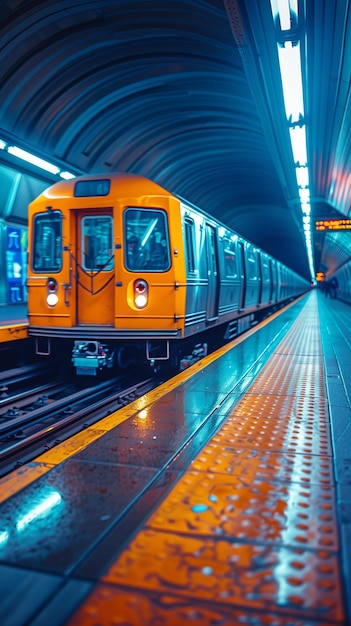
(94, 264)
(241, 249)
(260, 261)
(212, 273)
(271, 290)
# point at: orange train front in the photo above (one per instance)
(122, 271)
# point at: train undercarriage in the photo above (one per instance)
(89, 357)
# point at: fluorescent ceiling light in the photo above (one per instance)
(289, 56)
(67, 175)
(34, 160)
(298, 144)
(284, 14)
(302, 176)
(290, 70)
(30, 158)
(306, 208)
(283, 8)
(304, 195)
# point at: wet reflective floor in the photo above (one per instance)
(222, 497)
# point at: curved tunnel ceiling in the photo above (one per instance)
(188, 94)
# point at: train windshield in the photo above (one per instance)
(47, 242)
(147, 241)
(96, 237)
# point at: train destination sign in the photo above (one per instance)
(333, 224)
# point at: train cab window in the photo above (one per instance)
(147, 242)
(47, 242)
(96, 243)
(189, 243)
(230, 263)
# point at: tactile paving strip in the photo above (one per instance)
(303, 337)
(120, 607)
(288, 375)
(278, 436)
(301, 407)
(287, 580)
(300, 468)
(251, 527)
(250, 509)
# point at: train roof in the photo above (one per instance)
(66, 188)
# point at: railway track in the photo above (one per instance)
(22, 378)
(37, 420)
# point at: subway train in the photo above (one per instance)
(120, 271)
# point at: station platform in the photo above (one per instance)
(220, 498)
(13, 322)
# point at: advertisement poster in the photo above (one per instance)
(16, 255)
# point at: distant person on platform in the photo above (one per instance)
(334, 284)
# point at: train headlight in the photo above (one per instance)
(140, 293)
(52, 297)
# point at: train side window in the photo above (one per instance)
(251, 266)
(189, 242)
(47, 242)
(147, 242)
(96, 243)
(265, 270)
(230, 264)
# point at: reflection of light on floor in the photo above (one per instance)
(4, 535)
(280, 574)
(47, 504)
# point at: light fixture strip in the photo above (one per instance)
(290, 71)
(24, 155)
(289, 57)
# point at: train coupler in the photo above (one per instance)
(89, 357)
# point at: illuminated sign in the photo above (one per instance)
(16, 257)
(333, 224)
(320, 277)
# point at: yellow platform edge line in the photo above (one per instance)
(28, 473)
(13, 332)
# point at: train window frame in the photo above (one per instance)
(104, 255)
(146, 236)
(189, 227)
(43, 252)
